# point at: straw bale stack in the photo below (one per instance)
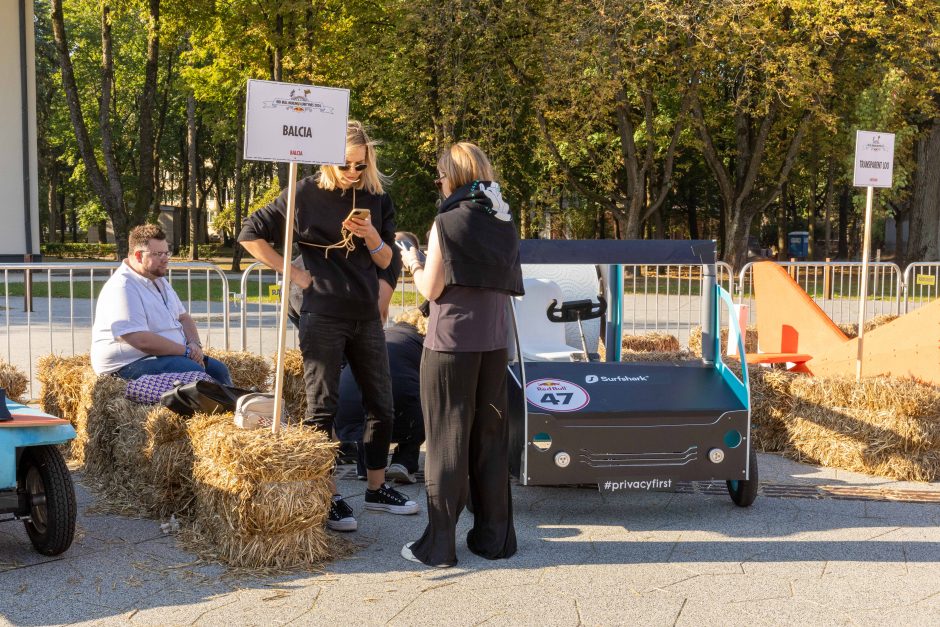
(60, 381)
(851, 330)
(884, 426)
(262, 499)
(13, 381)
(771, 405)
(138, 456)
(750, 340)
(248, 370)
(650, 343)
(295, 392)
(657, 356)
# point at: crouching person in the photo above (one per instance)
(141, 326)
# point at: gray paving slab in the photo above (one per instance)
(585, 558)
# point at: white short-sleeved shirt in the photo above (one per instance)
(129, 303)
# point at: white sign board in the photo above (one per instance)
(290, 122)
(874, 159)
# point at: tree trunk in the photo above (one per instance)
(53, 199)
(108, 191)
(191, 159)
(845, 204)
(148, 95)
(924, 234)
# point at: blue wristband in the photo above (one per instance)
(377, 248)
(188, 351)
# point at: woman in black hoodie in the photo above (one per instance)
(471, 271)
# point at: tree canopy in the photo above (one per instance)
(731, 120)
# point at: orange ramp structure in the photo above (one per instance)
(792, 328)
(906, 347)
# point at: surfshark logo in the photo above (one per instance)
(640, 378)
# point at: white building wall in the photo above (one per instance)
(13, 244)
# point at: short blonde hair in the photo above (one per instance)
(415, 318)
(371, 179)
(464, 163)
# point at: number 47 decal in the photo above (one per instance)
(551, 398)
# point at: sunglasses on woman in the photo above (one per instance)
(359, 167)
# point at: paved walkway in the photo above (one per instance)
(818, 556)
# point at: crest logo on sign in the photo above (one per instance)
(556, 395)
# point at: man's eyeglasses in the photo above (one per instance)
(160, 253)
(359, 167)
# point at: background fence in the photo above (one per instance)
(49, 308)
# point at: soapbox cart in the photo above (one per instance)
(577, 419)
(35, 484)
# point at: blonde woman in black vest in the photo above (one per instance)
(472, 269)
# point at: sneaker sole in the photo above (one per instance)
(400, 477)
(342, 525)
(393, 509)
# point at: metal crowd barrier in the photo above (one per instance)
(662, 298)
(921, 284)
(49, 308)
(666, 298)
(835, 287)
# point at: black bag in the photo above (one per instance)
(206, 397)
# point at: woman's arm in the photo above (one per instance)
(429, 278)
(265, 253)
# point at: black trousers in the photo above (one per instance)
(463, 396)
(324, 340)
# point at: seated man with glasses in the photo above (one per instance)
(141, 326)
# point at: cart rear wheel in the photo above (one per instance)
(744, 492)
(48, 485)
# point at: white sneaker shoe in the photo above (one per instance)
(397, 472)
(408, 555)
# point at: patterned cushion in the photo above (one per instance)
(150, 387)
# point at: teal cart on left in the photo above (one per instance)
(35, 484)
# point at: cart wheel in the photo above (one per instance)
(48, 485)
(744, 492)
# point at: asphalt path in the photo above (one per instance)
(818, 547)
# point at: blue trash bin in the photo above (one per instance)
(798, 244)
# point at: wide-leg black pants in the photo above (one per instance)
(463, 396)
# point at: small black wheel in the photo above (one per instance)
(45, 479)
(744, 491)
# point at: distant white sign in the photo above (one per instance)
(874, 159)
(290, 122)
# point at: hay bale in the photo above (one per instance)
(750, 340)
(61, 380)
(650, 343)
(771, 404)
(295, 391)
(851, 330)
(247, 369)
(14, 382)
(262, 499)
(657, 356)
(138, 456)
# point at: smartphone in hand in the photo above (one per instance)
(359, 214)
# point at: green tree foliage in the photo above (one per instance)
(712, 118)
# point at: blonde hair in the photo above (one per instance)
(371, 179)
(415, 318)
(464, 163)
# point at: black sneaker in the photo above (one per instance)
(341, 516)
(388, 499)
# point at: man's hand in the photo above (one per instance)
(300, 277)
(195, 353)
